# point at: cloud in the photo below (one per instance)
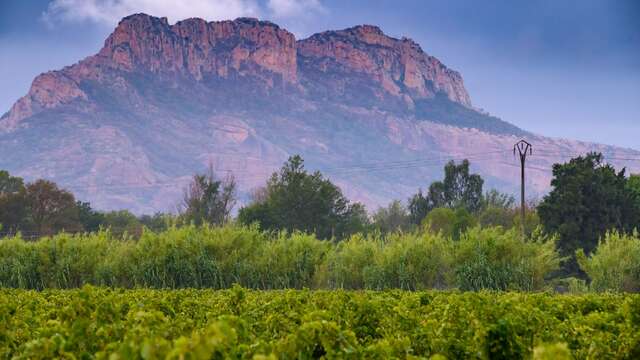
(109, 12)
(291, 8)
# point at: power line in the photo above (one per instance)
(343, 170)
(364, 167)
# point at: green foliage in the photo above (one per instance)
(208, 200)
(588, 199)
(50, 208)
(90, 219)
(41, 208)
(558, 351)
(633, 185)
(407, 261)
(419, 207)
(492, 258)
(104, 323)
(451, 223)
(218, 257)
(122, 223)
(459, 189)
(394, 217)
(10, 184)
(297, 200)
(496, 216)
(13, 210)
(531, 220)
(615, 264)
(495, 199)
(158, 221)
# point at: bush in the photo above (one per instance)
(615, 264)
(448, 222)
(493, 258)
(400, 261)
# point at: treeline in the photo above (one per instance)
(41, 208)
(588, 199)
(292, 199)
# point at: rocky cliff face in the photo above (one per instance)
(127, 127)
(396, 67)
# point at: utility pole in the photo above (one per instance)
(523, 148)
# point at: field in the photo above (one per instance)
(237, 292)
(238, 323)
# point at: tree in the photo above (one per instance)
(50, 208)
(392, 218)
(122, 222)
(296, 200)
(208, 200)
(459, 189)
(90, 219)
(450, 222)
(496, 216)
(587, 199)
(13, 212)
(419, 207)
(10, 184)
(633, 185)
(496, 199)
(157, 222)
(497, 210)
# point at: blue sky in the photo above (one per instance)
(559, 68)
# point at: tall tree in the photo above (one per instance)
(122, 222)
(209, 200)
(10, 184)
(50, 208)
(13, 211)
(392, 218)
(587, 199)
(90, 219)
(633, 184)
(297, 200)
(459, 189)
(496, 199)
(419, 206)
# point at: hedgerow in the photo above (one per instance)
(218, 257)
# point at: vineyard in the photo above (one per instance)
(238, 292)
(239, 323)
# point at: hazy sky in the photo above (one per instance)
(556, 67)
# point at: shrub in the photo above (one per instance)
(399, 261)
(493, 258)
(615, 264)
(449, 222)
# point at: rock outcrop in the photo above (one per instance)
(400, 67)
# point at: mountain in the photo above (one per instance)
(127, 127)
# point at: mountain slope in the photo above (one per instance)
(129, 125)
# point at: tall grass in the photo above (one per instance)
(218, 257)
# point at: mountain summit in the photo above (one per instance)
(128, 126)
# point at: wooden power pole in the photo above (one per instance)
(523, 148)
